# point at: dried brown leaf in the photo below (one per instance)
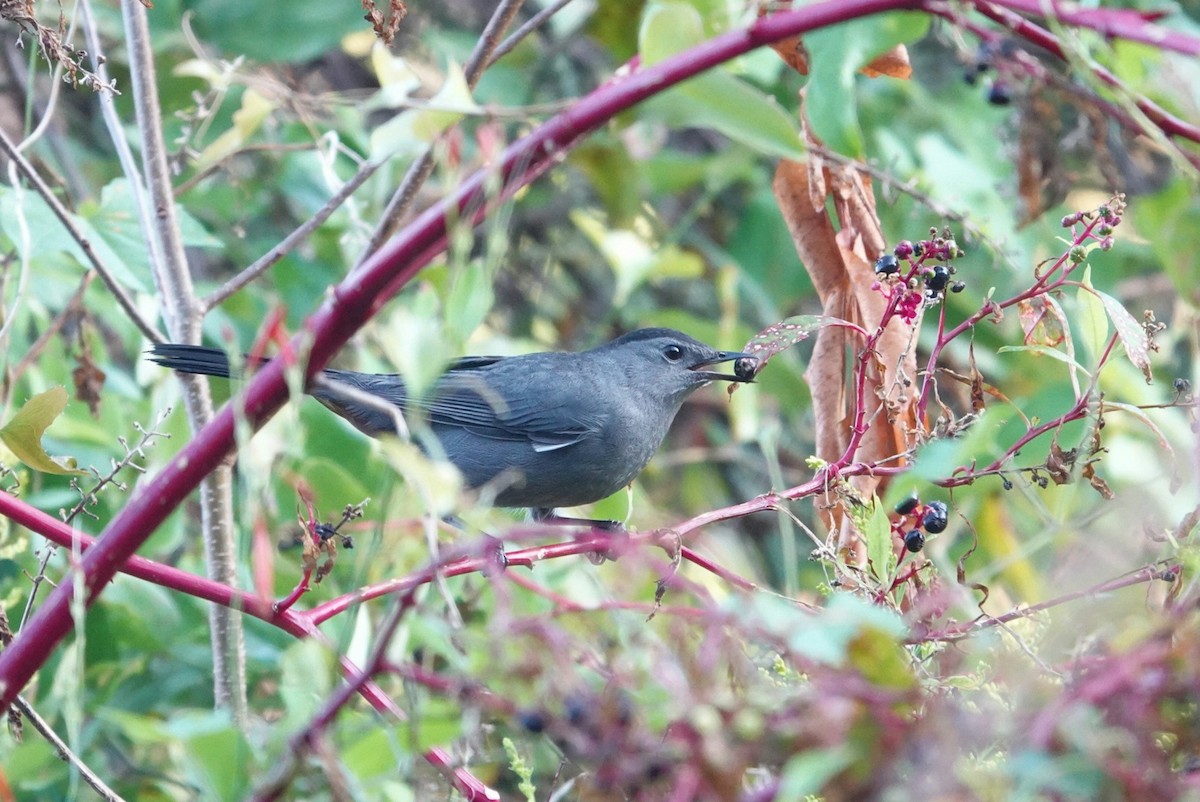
(89, 381)
(840, 264)
(793, 53)
(892, 64)
(1041, 322)
(978, 404)
(1059, 463)
(1101, 486)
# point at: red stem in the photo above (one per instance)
(1161, 37)
(357, 298)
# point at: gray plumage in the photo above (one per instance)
(542, 430)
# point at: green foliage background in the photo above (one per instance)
(665, 217)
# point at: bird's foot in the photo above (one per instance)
(615, 534)
(494, 553)
(599, 556)
(491, 547)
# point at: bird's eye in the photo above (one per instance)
(673, 353)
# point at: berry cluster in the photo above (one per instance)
(932, 517)
(999, 93)
(1109, 217)
(921, 284)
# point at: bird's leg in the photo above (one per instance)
(546, 515)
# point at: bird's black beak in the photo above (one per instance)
(743, 375)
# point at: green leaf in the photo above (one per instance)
(807, 773)
(716, 99)
(36, 232)
(256, 30)
(23, 434)
(410, 131)
(1092, 319)
(878, 532)
(306, 679)
(634, 260)
(836, 53)
(470, 298)
(1043, 350)
(116, 223)
(249, 117)
(216, 753)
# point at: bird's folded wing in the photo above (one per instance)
(538, 412)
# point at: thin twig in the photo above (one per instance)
(258, 147)
(31, 175)
(517, 36)
(116, 134)
(183, 315)
(1147, 573)
(73, 305)
(60, 747)
(420, 170)
(289, 243)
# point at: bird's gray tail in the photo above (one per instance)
(193, 359)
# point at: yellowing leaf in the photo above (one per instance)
(246, 121)
(23, 434)
(411, 130)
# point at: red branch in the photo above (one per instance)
(356, 299)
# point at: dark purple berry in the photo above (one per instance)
(908, 505)
(886, 265)
(938, 279)
(578, 709)
(958, 286)
(935, 518)
(1182, 385)
(532, 720)
(745, 368)
(914, 541)
(998, 94)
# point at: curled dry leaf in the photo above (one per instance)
(892, 64)
(88, 379)
(1097, 483)
(793, 53)
(978, 404)
(1059, 463)
(840, 264)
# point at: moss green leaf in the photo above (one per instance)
(716, 99)
(836, 54)
(23, 434)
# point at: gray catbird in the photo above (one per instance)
(543, 430)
